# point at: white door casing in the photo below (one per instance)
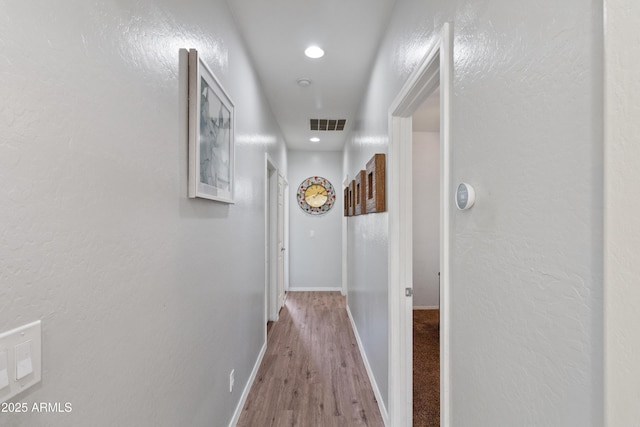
(271, 240)
(280, 244)
(436, 70)
(345, 247)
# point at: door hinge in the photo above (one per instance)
(408, 292)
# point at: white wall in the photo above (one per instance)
(145, 307)
(426, 219)
(315, 262)
(526, 294)
(622, 228)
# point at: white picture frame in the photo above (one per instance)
(211, 135)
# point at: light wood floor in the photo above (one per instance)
(312, 374)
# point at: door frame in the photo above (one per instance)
(281, 243)
(271, 230)
(435, 70)
(345, 246)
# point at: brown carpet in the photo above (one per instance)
(426, 368)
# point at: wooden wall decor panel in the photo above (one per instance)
(375, 184)
(352, 198)
(346, 202)
(361, 193)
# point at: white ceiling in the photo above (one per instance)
(278, 31)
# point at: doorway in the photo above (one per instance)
(436, 70)
(275, 205)
(426, 262)
(279, 244)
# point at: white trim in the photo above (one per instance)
(316, 289)
(280, 245)
(367, 366)
(426, 307)
(247, 387)
(446, 98)
(270, 257)
(286, 236)
(345, 243)
(267, 276)
(433, 72)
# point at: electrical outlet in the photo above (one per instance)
(231, 380)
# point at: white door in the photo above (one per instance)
(280, 240)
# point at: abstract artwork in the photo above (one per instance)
(211, 135)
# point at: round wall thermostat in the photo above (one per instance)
(465, 196)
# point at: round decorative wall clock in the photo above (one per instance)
(316, 195)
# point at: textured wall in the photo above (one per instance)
(526, 295)
(367, 251)
(145, 307)
(622, 228)
(315, 262)
(426, 218)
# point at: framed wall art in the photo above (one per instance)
(376, 201)
(361, 193)
(352, 198)
(211, 134)
(346, 201)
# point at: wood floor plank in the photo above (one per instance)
(312, 373)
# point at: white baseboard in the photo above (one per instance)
(426, 307)
(316, 289)
(247, 388)
(372, 379)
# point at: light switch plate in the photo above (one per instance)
(24, 361)
(4, 369)
(23, 348)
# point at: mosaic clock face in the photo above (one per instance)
(316, 195)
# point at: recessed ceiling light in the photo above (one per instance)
(314, 52)
(314, 139)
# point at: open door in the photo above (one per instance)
(281, 246)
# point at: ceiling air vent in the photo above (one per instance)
(327, 124)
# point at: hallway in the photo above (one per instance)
(153, 303)
(312, 373)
